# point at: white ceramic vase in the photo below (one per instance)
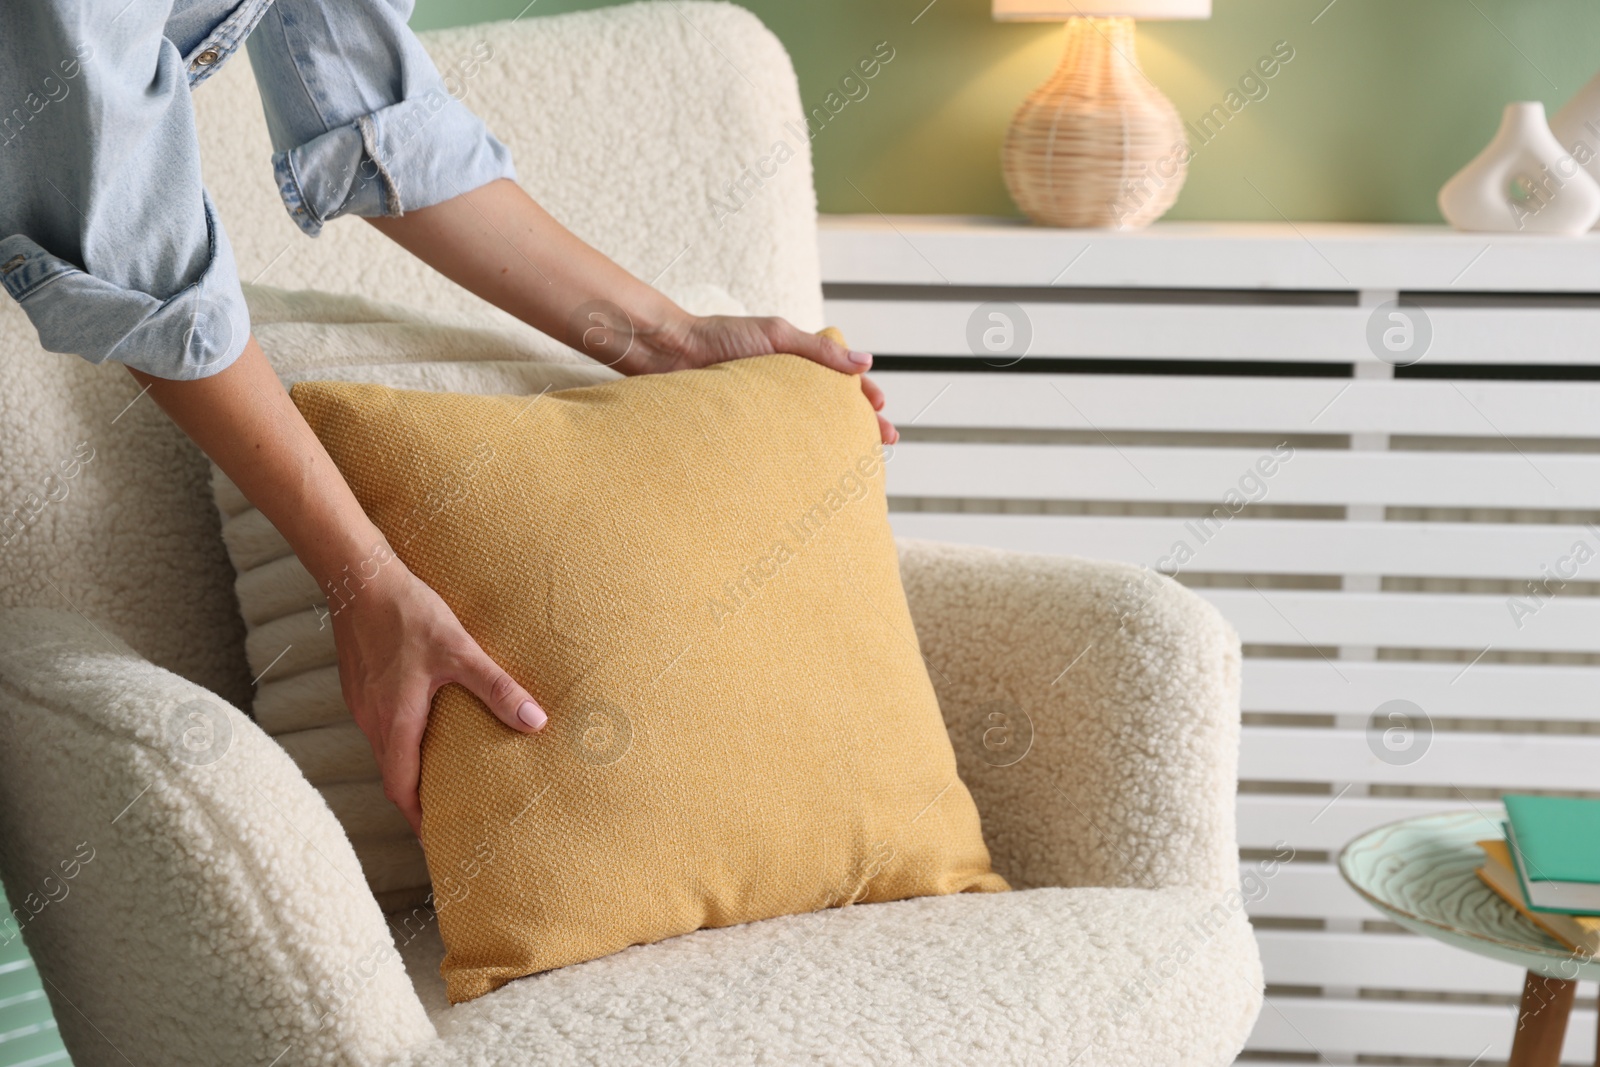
(1523, 182)
(1577, 127)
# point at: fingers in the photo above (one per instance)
(401, 762)
(872, 392)
(511, 704)
(823, 350)
(874, 396)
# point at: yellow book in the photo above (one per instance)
(1581, 933)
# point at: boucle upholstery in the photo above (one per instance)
(214, 928)
(1128, 745)
(1102, 977)
(222, 917)
(239, 858)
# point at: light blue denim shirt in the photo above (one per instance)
(107, 237)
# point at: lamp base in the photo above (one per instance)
(1097, 145)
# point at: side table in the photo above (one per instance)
(1422, 874)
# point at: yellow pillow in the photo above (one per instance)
(693, 574)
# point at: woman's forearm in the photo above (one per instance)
(497, 242)
(244, 420)
(399, 642)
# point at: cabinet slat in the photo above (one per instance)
(1215, 476)
(1238, 404)
(1380, 961)
(1310, 334)
(1465, 1032)
(1515, 551)
(1406, 620)
(1445, 690)
(1325, 823)
(1449, 759)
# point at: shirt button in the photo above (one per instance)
(206, 58)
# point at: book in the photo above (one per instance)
(1581, 933)
(1555, 850)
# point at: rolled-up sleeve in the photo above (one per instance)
(107, 238)
(360, 119)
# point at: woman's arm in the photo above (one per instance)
(398, 642)
(500, 244)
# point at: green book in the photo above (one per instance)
(1555, 842)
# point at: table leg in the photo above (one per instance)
(1542, 1021)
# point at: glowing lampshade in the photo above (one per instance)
(1097, 144)
(1057, 10)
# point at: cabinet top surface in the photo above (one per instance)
(974, 251)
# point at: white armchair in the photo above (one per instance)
(223, 916)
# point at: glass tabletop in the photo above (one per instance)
(1422, 874)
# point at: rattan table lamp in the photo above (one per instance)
(1097, 144)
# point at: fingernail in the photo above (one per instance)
(531, 715)
(860, 359)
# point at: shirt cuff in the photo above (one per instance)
(194, 333)
(409, 155)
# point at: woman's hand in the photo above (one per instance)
(496, 242)
(399, 643)
(700, 341)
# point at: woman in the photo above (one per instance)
(110, 244)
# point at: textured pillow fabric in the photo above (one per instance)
(315, 335)
(694, 575)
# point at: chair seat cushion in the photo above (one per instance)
(1133, 977)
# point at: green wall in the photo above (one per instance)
(1383, 100)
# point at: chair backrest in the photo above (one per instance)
(670, 136)
(653, 131)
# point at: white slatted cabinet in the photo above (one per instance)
(1378, 565)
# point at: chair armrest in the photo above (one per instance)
(187, 895)
(1094, 710)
